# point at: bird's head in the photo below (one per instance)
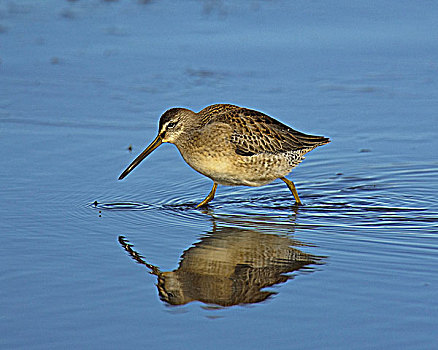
(173, 124)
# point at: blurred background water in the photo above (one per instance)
(355, 267)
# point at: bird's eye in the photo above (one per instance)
(171, 125)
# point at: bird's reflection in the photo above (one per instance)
(229, 266)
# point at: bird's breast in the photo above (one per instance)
(211, 153)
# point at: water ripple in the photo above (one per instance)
(384, 201)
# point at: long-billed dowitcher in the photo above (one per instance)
(233, 145)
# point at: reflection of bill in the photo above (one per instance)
(229, 266)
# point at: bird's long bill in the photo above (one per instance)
(158, 141)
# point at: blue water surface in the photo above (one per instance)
(354, 268)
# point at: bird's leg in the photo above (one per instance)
(292, 188)
(209, 197)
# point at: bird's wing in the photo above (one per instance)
(254, 132)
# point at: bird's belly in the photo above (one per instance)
(238, 170)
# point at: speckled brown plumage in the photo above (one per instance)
(255, 132)
(233, 145)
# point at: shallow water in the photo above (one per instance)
(355, 267)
